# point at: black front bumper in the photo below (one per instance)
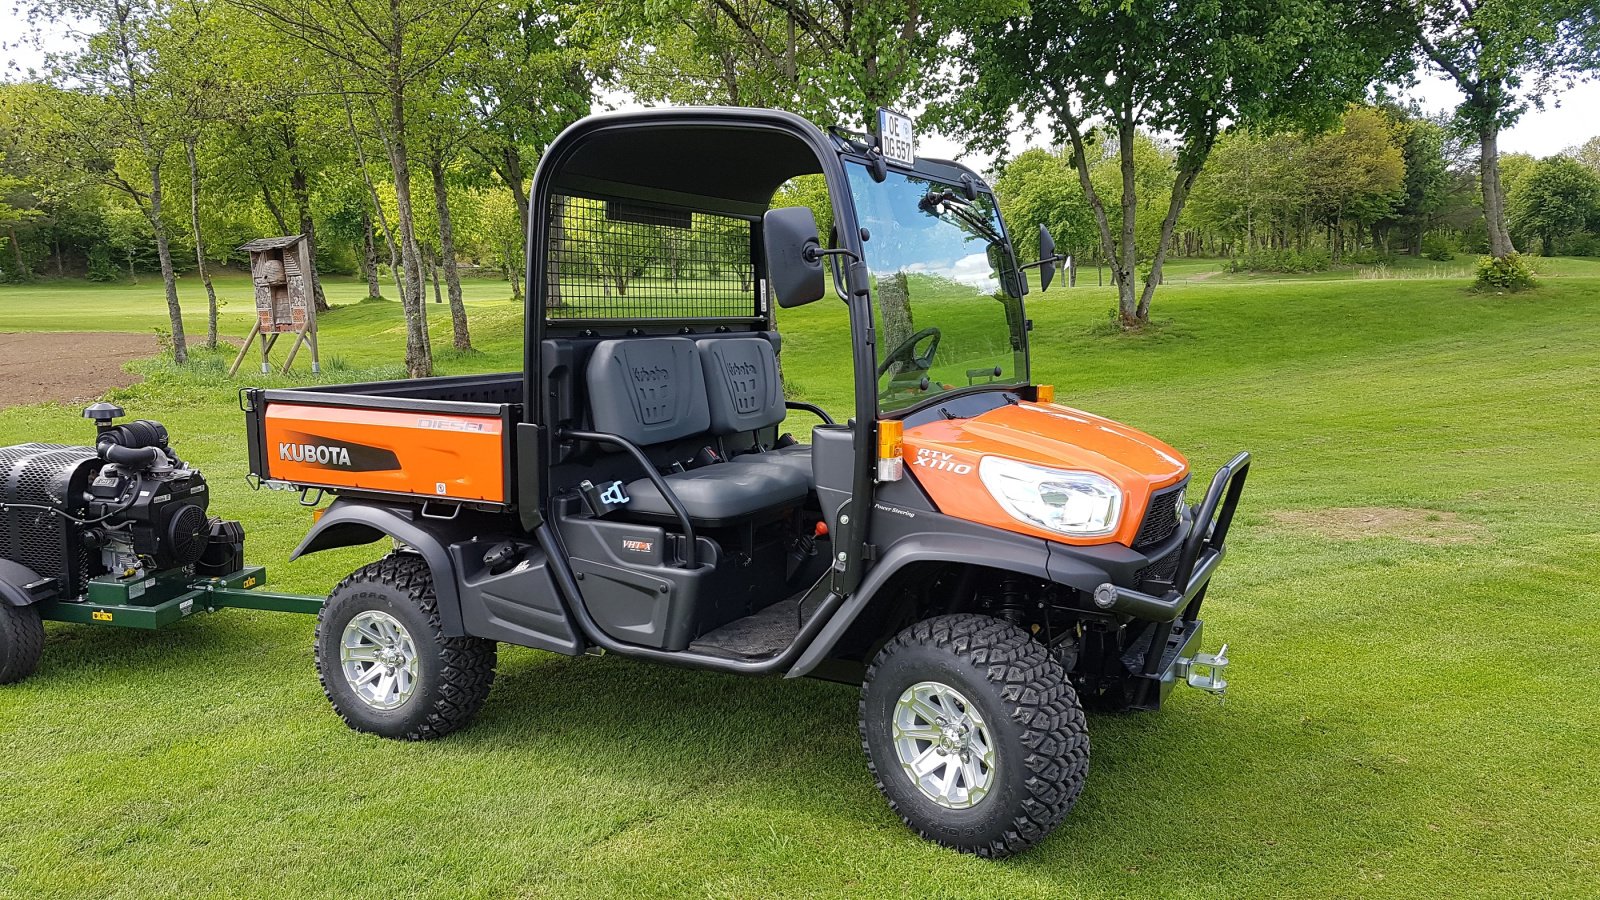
(1199, 555)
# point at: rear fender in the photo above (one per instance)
(21, 586)
(351, 523)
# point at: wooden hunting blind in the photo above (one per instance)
(284, 274)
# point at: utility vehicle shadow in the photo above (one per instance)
(798, 739)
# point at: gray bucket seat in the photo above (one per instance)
(746, 395)
(652, 391)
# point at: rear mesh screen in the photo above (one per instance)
(619, 260)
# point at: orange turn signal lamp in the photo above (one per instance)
(891, 464)
(1044, 393)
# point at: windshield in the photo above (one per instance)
(946, 306)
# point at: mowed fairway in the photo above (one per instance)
(1412, 603)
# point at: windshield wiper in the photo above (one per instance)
(963, 210)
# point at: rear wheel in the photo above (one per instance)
(21, 642)
(974, 734)
(384, 660)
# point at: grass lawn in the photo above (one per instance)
(1413, 702)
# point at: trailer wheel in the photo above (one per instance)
(974, 734)
(384, 660)
(21, 642)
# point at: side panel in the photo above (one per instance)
(518, 604)
(446, 456)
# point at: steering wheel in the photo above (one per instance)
(906, 348)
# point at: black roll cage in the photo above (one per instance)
(830, 153)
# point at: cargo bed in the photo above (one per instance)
(436, 439)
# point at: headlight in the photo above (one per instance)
(1081, 504)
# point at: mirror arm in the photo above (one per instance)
(1039, 262)
(814, 252)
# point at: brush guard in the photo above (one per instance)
(1169, 648)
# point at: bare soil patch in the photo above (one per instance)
(1419, 526)
(61, 367)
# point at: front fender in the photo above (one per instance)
(351, 523)
(1012, 553)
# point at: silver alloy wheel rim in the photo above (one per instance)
(944, 745)
(379, 660)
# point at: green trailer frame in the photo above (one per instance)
(159, 600)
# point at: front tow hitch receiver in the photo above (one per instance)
(1205, 670)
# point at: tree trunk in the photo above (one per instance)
(1494, 195)
(432, 260)
(372, 193)
(447, 250)
(300, 186)
(309, 229)
(272, 206)
(419, 352)
(200, 246)
(1180, 195)
(369, 256)
(16, 252)
(511, 171)
(169, 278)
(1108, 250)
(894, 301)
(1126, 270)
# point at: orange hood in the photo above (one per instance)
(943, 456)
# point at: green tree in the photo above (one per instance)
(1427, 180)
(382, 54)
(120, 113)
(731, 53)
(1505, 56)
(1355, 174)
(1041, 187)
(1587, 153)
(1180, 69)
(834, 61)
(1557, 198)
(1252, 193)
(13, 212)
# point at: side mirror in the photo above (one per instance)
(794, 255)
(1047, 258)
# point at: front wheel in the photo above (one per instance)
(385, 662)
(974, 734)
(21, 641)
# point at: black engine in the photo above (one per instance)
(129, 507)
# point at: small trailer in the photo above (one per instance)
(117, 534)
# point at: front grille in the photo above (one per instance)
(1161, 519)
(1160, 570)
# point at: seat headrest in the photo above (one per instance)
(648, 390)
(742, 383)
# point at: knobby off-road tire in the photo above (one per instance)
(21, 642)
(436, 685)
(1001, 692)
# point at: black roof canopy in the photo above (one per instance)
(728, 159)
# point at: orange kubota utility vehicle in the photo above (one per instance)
(981, 559)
